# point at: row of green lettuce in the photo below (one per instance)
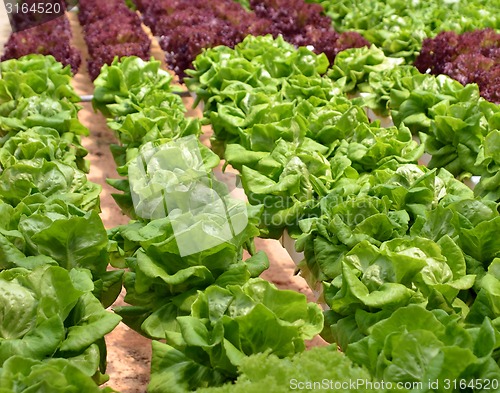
(288, 128)
(406, 257)
(399, 27)
(209, 306)
(54, 286)
(461, 129)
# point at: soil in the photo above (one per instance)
(129, 354)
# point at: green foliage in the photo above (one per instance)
(19, 374)
(226, 325)
(323, 366)
(35, 75)
(458, 128)
(50, 312)
(414, 344)
(399, 27)
(128, 83)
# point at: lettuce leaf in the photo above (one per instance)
(268, 372)
(399, 28)
(225, 326)
(162, 282)
(376, 207)
(20, 374)
(39, 143)
(40, 110)
(34, 75)
(44, 308)
(414, 344)
(51, 179)
(456, 126)
(400, 272)
(122, 86)
(258, 61)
